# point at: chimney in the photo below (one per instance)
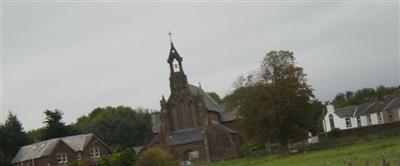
(330, 108)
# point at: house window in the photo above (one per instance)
(94, 152)
(390, 115)
(379, 117)
(359, 121)
(369, 119)
(332, 123)
(348, 122)
(79, 157)
(62, 158)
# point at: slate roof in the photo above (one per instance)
(229, 115)
(368, 108)
(345, 111)
(221, 127)
(186, 136)
(45, 148)
(209, 102)
(395, 103)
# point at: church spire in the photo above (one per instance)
(178, 78)
(174, 59)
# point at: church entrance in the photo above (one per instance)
(187, 158)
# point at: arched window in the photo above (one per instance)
(173, 116)
(175, 66)
(332, 123)
(195, 114)
(183, 111)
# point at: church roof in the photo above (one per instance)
(45, 148)
(229, 115)
(186, 136)
(209, 102)
(222, 127)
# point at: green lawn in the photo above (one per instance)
(359, 152)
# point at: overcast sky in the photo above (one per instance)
(78, 56)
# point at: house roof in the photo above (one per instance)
(395, 103)
(45, 148)
(345, 111)
(368, 108)
(186, 136)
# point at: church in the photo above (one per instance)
(190, 124)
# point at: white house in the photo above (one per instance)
(362, 115)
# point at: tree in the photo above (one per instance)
(54, 126)
(215, 96)
(156, 157)
(12, 137)
(365, 95)
(340, 100)
(118, 126)
(276, 101)
(317, 115)
(36, 135)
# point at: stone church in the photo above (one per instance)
(191, 124)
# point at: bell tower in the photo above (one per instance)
(177, 79)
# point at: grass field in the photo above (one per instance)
(359, 153)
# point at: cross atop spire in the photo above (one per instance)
(170, 36)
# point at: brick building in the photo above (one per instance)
(191, 124)
(62, 151)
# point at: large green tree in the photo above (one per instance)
(54, 127)
(276, 101)
(12, 137)
(119, 126)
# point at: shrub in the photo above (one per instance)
(156, 157)
(125, 157)
(251, 149)
(335, 132)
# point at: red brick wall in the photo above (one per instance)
(235, 125)
(213, 116)
(222, 146)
